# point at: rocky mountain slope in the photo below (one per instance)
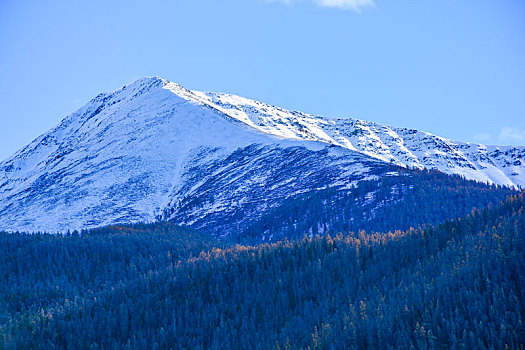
(400, 146)
(156, 150)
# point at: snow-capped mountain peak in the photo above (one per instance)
(138, 152)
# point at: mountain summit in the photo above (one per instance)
(154, 149)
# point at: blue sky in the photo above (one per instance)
(453, 68)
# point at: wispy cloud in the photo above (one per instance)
(355, 5)
(482, 137)
(512, 136)
(506, 136)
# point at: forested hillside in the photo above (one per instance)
(455, 285)
(410, 199)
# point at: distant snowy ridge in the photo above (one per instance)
(503, 165)
(137, 153)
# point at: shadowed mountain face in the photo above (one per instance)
(216, 162)
(226, 195)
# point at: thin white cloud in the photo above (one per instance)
(482, 137)
(507, 136)
(512, 136)
(355, 5)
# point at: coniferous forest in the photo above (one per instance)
(262, 175)
(455, 285)
(416, 198)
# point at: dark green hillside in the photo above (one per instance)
(456, 285)
(410, 199)
(43, 272)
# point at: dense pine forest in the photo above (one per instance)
(455, 285)
(415, 198)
